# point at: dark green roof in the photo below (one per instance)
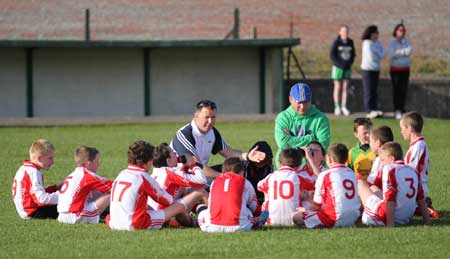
(149, 44)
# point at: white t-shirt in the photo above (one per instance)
(189, 140)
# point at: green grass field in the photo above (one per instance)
(45, 238)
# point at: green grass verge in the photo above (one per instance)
(37, 239)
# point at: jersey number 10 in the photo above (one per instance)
(285, 189)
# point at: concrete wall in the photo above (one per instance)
(429, 97)
(110, 82)
(88, 82)
(12, 83)
(180, 77)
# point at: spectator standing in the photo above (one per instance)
(342, 54)
(372, 54)
(400, 50)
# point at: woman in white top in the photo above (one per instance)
(372, 54)
(400, 50)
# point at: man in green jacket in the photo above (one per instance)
(301, 122)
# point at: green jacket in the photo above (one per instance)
(305, 128)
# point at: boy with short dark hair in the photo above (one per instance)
(378, 137)
(131, 190)
(335, 202)
(84, 194)
(315, 156)
(401, 191)
(178, 181)
(31, 198)
(232, 204)
(418, 155)
(360, 157)
(282, 188)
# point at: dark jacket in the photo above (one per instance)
(343, 53)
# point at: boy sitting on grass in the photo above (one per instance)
(360, 157)
(31, 198)
(335, 202)
(283, 188)
(401, 191)
(178, 181)
(314, 155)
(131, 190)
(378, 137)
(84, 195)
(418, 155)
(232, 202)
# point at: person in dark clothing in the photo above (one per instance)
(400, 50)
(342, 54)
(255, 171)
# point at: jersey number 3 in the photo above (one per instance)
(411, 186)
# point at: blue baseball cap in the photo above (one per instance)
(301, 93)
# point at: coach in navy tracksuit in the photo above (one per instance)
(200, 139)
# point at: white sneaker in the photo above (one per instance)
(345, 111)
(372, 115)
(379, 113)
(337, 111)
(398, 115)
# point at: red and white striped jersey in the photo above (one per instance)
(418, 157)
(28, 190)
(308, 177)
(337, 196)
(282, 189)
(374, 177)
(174, 180)
(77, 187)
(230, 198)
(129, 195)
(400, 184)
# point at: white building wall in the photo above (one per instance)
(180, 77)
(88, 82)
(12, 83)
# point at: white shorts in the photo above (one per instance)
(89, 215)
(204, 221)
(370, 215)
(157, 219)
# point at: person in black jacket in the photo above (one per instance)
(342, 54)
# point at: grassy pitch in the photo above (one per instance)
(45, 238)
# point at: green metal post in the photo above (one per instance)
(147, 111)
(281, 75)
(29, 81)
(262, 80)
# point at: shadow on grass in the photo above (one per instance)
(416, 221)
